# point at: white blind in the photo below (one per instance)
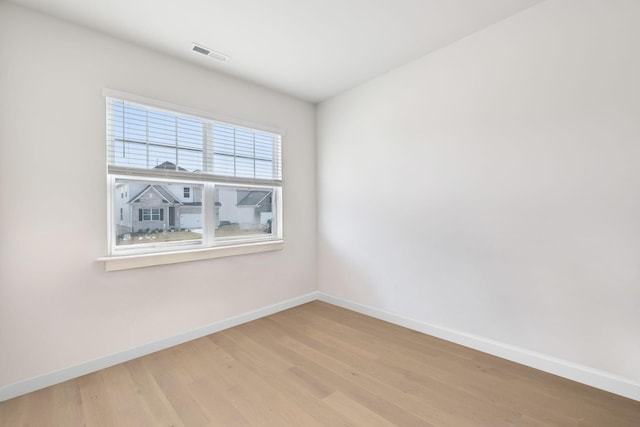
(145, 140)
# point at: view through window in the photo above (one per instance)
(180, 181)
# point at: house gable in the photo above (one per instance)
(155, 195)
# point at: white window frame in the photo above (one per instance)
(120, 258)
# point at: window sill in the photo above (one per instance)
(126, 262)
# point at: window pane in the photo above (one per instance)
(190, 133)
(135, 123)
(244, 143)
(190, 160)
(149, 138)
(117, 124)
(247, 147)
(244, 167)
(223, 139)
(162, 157)
(223, 165)
(243, 211)
(150, 213)
(161, 128)
(264, 169)
(264, 146)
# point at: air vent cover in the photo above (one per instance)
(209, 52)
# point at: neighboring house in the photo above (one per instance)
(250, 209)
(162, 207)
(141, 207)
(254, 208)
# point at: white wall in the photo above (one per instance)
(493, 187)
(58, 307)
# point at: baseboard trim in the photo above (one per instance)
(17, 389)
(579, 373)
(582, 374)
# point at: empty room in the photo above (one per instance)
(320, 213)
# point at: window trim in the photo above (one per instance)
(141, 257)
(126, 262)
(209, 241)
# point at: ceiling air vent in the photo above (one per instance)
(210, 52)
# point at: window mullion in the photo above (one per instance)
(209, 213)
(124, 137)
(274, 157)
(146, 124)
(235, 154)
(176, 139)
(207, 147)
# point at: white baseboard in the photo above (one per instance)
(13, 390)
(573, 371)
(583, 374)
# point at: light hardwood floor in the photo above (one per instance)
(319, 365)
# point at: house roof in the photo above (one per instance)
(170, 166)
(164, 192)
(254, 198)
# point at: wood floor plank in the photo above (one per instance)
(319, 365)
(123, 398)
(176, 388)
(357, 414)
(216, 403)
(68, 404)
(38, 410)
(13, 411)
(96, 408)
(158, 409)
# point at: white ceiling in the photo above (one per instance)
(311, 49)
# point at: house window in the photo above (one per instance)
(229, 177)
(152, 214)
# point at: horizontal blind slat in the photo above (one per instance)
(147, 141)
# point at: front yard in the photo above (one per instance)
(161, 236)
(226, 230)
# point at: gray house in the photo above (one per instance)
(254, 209)
(141, 207)
(155, 208)
(144, 207)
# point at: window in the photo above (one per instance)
(152, 214)
(183, 181)
(250, 209)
